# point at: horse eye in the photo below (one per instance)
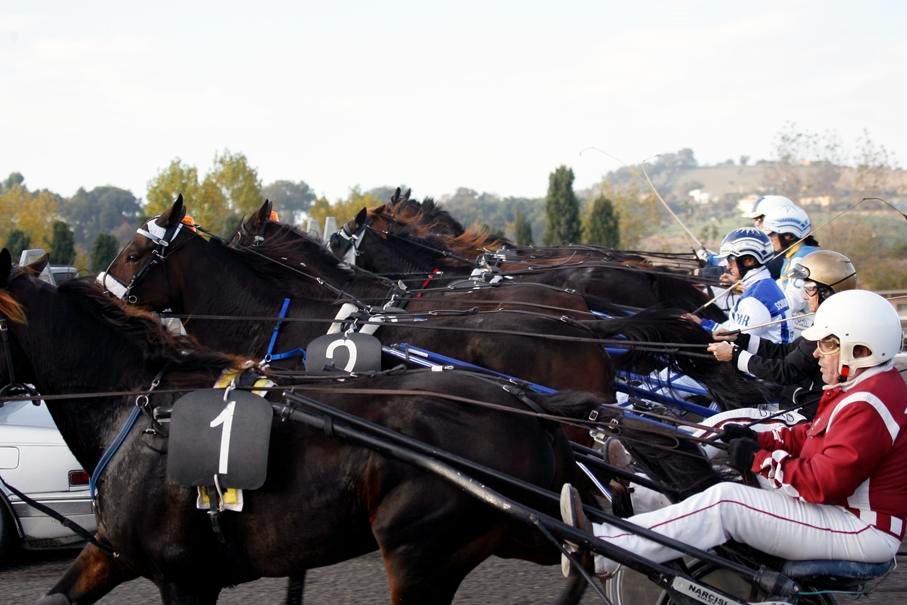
(132, 258)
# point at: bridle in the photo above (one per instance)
(162, 237)
(352, 238)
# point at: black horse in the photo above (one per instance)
(324, 500)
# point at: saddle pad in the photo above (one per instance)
(212, 436)
(348, 353)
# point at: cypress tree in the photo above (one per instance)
(603, 227)
(62, 244)
(103, 251)
(562, 224)
(522, 230)
(17, 241)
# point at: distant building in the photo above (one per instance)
(699, 196)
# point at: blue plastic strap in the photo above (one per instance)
(445, 360)
(649, 396)
(280, 317)
(111, 451)
(650, 381)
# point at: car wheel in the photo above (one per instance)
(9, 537)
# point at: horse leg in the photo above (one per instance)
(296, 589)
(92, 575)
(179, 593)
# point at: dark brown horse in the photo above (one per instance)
(404, 237)
(191, 275)
(727, 386)
(324, 500)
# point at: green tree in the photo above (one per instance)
(238, 182)
(17, 241)
(101, 210)
(15, 179)
(103, 251)
(290, 199)
(522, 230)
(561, 209)
(173, 180)
(62, 244)
(602, 224)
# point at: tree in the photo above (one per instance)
(103, 251)
(561, 209)
(238, 182)
(602, 225)
(17, 241)
(289, 198)
(62, 244)
(15, 179)
(522, 230)
(342, 210)
(101, 210)
(177, 178)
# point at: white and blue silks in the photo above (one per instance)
(762, 302)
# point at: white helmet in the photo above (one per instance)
(859, 317)
(766, 203)
(788, 219)
(746, 241)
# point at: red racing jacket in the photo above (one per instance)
(853, 454)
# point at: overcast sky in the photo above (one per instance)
(489, 95)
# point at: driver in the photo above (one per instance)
(840, 481)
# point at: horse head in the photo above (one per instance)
(251, 230)
(144, 272)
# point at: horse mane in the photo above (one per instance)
(11, 309)
(435, 226)
(283, 250)
(157, 346)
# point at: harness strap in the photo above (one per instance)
(71, 525)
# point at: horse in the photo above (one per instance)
(727, 386)
(195, 276)
(396, 237)
(324, 500)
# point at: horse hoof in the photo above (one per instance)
(58, 598)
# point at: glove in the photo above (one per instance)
(736, 431)
(741, 453)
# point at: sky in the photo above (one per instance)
(436, 95)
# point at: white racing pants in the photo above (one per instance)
(767, 520)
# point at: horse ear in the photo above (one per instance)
(175, 214)
(37, 266)
(395, 199)
(407, 194)
(6, 266)
(264, 213)
(362, 216)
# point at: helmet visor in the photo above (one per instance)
(798, 271)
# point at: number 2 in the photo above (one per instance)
(224, 418)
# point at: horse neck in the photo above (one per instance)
(221, 285)
(95, 359)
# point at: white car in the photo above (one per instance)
(35, 460)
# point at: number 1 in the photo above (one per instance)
(224, 418)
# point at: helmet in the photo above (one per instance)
(827, 268)
(859, 317)
(787, 219)
(766, 203)
(746, 241)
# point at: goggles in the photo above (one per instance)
(829, 345)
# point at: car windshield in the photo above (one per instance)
(24, 413)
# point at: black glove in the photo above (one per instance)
(741, 453)
(736, 431)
